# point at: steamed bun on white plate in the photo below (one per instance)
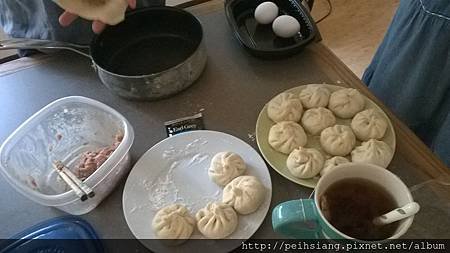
(345, 103)
(373, 152)
(216, 220)
(369, 124)
(225, 166)
(110, 12)
(285, 107)
(173, 222)
(315, 120)
(305, 162)
(315, 95)
(338, 140)
(331, 163)
(285, 136)
(245, 194)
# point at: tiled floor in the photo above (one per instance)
(353, 30)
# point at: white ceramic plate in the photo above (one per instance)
(277, 160)
(175, 171)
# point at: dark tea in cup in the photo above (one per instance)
(351, 204)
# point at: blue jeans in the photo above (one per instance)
(410, 71)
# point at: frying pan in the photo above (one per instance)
(154, 53)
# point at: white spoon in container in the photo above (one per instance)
(397, 214)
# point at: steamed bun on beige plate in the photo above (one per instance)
(347, 102)
(332, 163)
(285, 107)
(373, 152)
(338, 140)
(305, 162)
(315, 120)
(285, 136)
(314, 95)
(369, 124)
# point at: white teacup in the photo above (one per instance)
(302, 219)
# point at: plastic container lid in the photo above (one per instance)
(62, 234)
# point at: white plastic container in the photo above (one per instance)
(63, 130)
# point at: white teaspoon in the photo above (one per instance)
(397, 214)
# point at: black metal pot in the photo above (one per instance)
(154, 53)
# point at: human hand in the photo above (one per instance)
(97, 26)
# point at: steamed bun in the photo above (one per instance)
(285, 107)
(345, 103)
(373, 152)
(331, 163)
(225, 166)
(369, 124)
(173, 222)
(110, 12)
(305, 162)
(285, 136)
(317, 119)
(216, 220)
(338, 140)
(245, 194)
(315, 95)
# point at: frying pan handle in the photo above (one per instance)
(18, 43)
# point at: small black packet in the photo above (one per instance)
(190, 123)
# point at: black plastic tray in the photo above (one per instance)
(259, 39)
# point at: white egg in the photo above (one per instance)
(266, 12)
(285, 26)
